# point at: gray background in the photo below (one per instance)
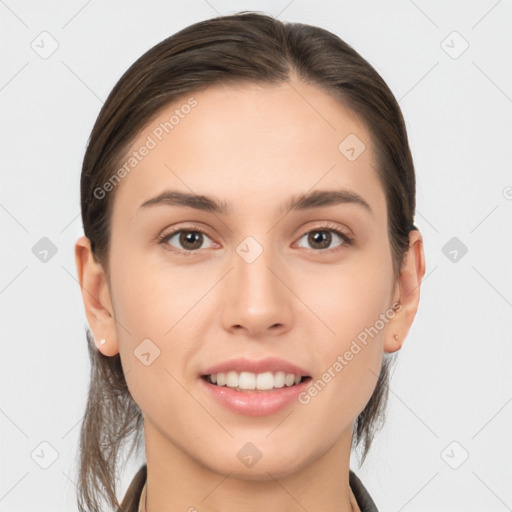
(451, 392)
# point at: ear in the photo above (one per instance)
(96, 297)
(407, 293)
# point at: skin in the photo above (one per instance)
(252, 147)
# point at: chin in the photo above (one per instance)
(265, 466)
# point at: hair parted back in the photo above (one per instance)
(247, 47)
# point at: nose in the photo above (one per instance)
(258, 301)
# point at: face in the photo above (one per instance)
(193, 286)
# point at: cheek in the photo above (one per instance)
(151, 298)
(352, 304)
(154, 340)
(350, 297)
(155, 309)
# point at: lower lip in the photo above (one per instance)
(261, 403)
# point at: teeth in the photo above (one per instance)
(249, 380)
(265, 380)
(231, 379)
(279, 379)
(246, 380)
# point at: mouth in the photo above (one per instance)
(249, 382)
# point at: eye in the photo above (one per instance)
(190, 239)
(322, 237)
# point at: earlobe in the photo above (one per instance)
(409, 285)
(96, 298)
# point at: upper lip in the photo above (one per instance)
(268, 364)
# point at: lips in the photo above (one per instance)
(268, 364)
(244, 399)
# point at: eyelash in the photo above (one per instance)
(347, 239)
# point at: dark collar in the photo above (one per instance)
(131, 499)
(363, 498)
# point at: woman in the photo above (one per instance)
(249, 269)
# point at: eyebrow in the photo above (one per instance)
(315, 199)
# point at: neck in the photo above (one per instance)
(178, 481)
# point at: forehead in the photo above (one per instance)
(250, 141)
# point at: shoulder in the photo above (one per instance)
(131, 499)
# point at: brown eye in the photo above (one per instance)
(187, 239)
(322, 238)
(191, 240)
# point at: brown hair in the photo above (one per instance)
(244, 47)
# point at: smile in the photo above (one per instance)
(249, 381)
